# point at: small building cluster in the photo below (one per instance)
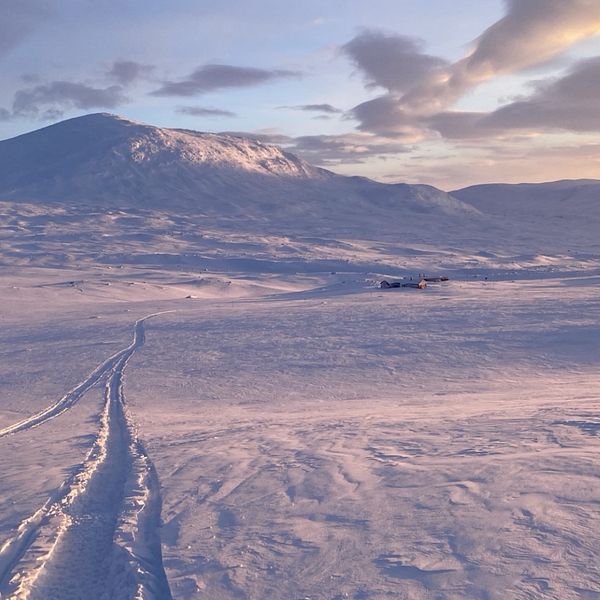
(420, 283)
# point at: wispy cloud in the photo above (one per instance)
(349, 148)
(508, 160)
(320, 108)
(211, 77)
(331, 150)
(126, 72)
(18, 18)
(204, 111)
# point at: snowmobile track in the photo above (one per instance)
(98, 535)
(74, 395)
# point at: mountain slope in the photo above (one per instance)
(104, 160)
(557, 199)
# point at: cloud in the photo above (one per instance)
(64, 95)
(531, 33)
(507, 162)
(567, 103)
(5, 114)
(385, 116)
(393, 62)
(126, 72)
(331, 150)
(18, 18)
(322, 108)
(213, 77)
(461, 125)
(52, 114)
(421, 88)
(202, 111)
(349, 148)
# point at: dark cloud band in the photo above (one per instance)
(204, 111)
(212, 77)
(64, 95)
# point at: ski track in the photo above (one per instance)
(97, 536)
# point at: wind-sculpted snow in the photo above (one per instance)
(380, 444)
(100, 528)
(324, 441)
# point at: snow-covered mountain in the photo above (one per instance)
(107, 161)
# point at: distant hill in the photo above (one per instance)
(557, 199)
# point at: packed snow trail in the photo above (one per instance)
(73, 396)
(100, 529)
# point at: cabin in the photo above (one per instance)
(421, 284)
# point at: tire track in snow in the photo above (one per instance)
(97, 537)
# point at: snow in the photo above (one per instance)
(199, 405)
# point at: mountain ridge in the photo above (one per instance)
(555, 199)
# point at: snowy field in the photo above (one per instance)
(312, 436)
(204, 393)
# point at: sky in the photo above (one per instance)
(445, 92)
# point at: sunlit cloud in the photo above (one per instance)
(532, 32)
(421, 89)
